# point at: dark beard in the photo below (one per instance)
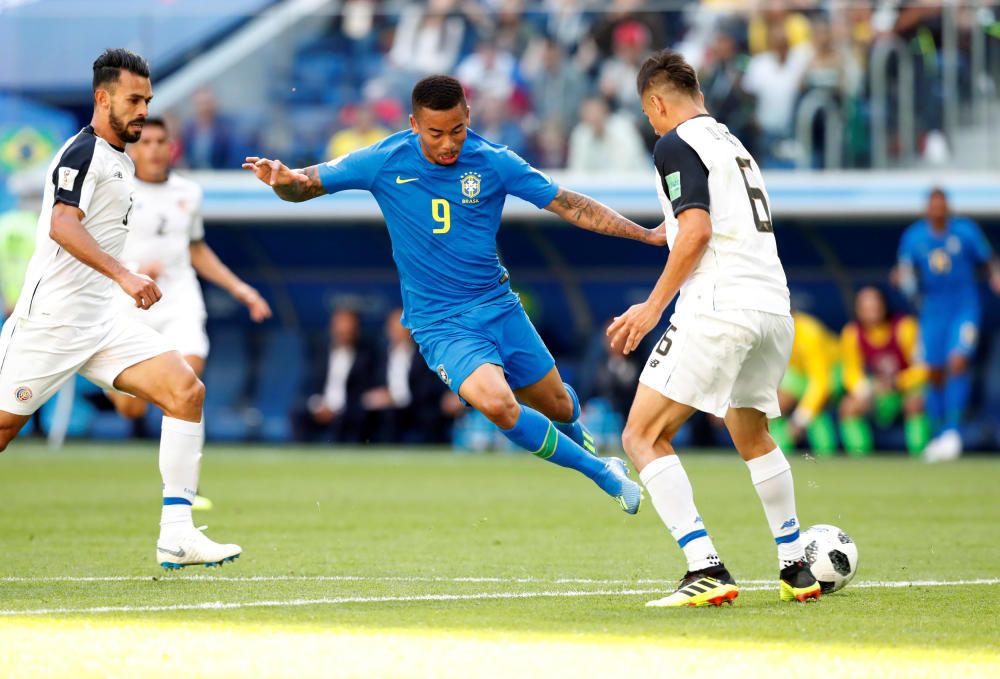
(121, 128)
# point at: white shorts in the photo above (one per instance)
(721, 359)
(183, 330)
(37, 359)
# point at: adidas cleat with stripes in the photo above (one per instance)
(188, 546)
(629, 496)
(798, 583)
(711, 586)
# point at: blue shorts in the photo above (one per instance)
(497, 332)
(945, 332)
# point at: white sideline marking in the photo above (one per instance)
(184, 577)
(289, 603)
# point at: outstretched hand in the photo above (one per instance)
(628, 330)
(274, 172)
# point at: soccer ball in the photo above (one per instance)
(832, 556)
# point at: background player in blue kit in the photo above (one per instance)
(442, 188)
(938, 258)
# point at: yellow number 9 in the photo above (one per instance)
(441, 212)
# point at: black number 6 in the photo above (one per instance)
(665, 342)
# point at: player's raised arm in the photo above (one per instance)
(294, 186)
(587, 213)
(66, 228)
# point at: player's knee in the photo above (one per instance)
(851, 407)
(502, 410)
(562, 407)
(636, 438)
(188, 396)
(913, 405)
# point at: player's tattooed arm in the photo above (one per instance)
(294, 186)
(589, 214)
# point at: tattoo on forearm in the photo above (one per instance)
(299, 191)
(589, 214)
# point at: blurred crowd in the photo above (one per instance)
(555, 79)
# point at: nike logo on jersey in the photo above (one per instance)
(400, 180)
(179, 553)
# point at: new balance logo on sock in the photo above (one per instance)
(791, 523)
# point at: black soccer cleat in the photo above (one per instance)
(798, 583)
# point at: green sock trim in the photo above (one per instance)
(549, 444)
(857, 436)
(918, 433)
(822, 436)
(588, 441)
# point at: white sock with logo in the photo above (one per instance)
(180, 465)
(772, 477)
(673, 497)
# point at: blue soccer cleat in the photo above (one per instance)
(629, 493)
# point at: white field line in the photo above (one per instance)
(326, 601)
(184, 577)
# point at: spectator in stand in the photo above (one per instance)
(558, 87)
(776, 14)
(605, 142)
(630, 44)
(414, 404)
(626, 12)
(832, 67)
(489, 71)
(514, 30)
(722, 84)
(209, 140)
(550, 145)
(567, 22)
(775, 78)
(427, 41)
(493, 121)
(338, 414)
(362, 131)
(881, 375)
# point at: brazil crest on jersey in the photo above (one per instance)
(442, 219)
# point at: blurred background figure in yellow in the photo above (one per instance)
(882, 375)
(17, 239)
(809, 383)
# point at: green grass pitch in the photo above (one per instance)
(431, 564)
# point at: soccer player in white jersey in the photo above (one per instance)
(166, 242)
(66, 321)
(729, 339)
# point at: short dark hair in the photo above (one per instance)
(667, 68)
(109, 65)
(937, 191)
(438, 93)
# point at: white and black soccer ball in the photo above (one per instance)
(832, 556)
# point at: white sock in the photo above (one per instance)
(772, 477)
(671, 492)
(180, 464)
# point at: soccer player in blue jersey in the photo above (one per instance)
(441, 188)
(938, 258)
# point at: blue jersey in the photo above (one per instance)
(945, 264)
(442, 219)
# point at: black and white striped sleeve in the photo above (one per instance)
(682, 173)
(75, 175)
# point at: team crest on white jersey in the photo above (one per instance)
(471, 184)
(23, 394)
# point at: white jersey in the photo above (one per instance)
(91, 174)
(165, 221)
(700, 164)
